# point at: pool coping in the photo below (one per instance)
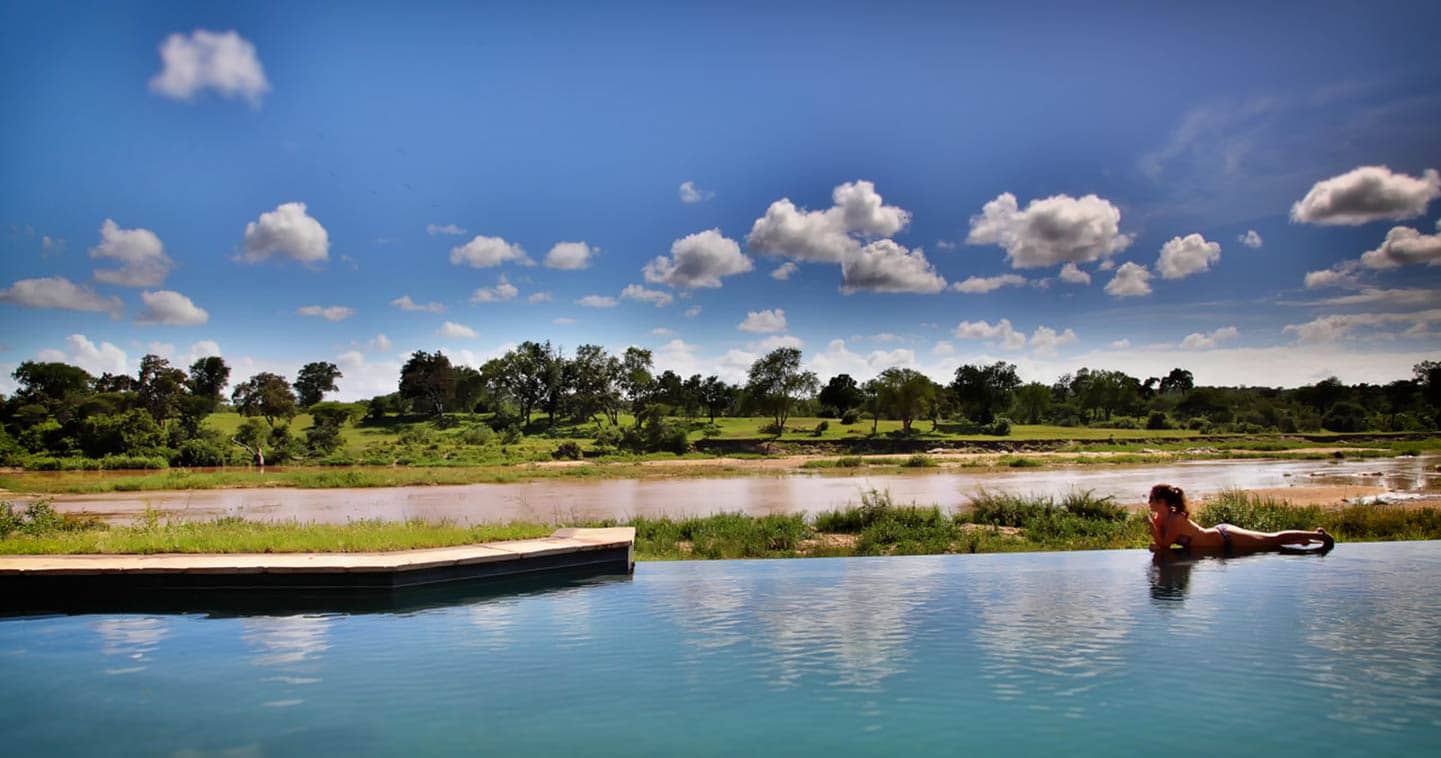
(608, 550)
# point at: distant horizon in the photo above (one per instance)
(1219, 190)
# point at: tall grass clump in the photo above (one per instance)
(725, 535)
(1257, 512)
(1079, 519)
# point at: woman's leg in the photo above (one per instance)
(1245, 539)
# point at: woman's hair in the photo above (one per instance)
(1173, 497)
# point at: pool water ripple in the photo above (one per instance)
(1095, 653)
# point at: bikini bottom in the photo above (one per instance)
(1225, 530)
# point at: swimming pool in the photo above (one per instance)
(1089, 653)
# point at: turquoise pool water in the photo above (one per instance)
(1085, 653)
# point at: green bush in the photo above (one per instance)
(479, 434)
(567, 450)
(1345, 417)
(1157, 420)
(850, 417)
(1001, 427)
(821, 428)
(200, 452)
(920, 461)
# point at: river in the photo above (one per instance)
(561, 500)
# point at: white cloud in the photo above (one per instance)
(501, 292)
(689, 193)
(59, 292)
(1251, 239)
(829, 235)
(1333, 327)
(1183, 256)
(946, 245)
(457, 331)
(379, 344)
(764, 322)
(776, 341)
(80, 351)
(734, 365)
(170, 309)
(884, 266)
(1045, 341)
(569, 256)
(1392, 297)
(699, 260)
(287, 232)
(329, 313)
(362, 379)
(1343, 274)
(597, 301)
(1365, 194)
(451, 229)
(1404, 245)
(485, 252)
(977, 285)
(1049, 232)
(1202, 341)
(539, 297)
(406, 304)
(943, 348)
(692, 311)
(661, 331)
(1131, 280)
(1072, 274)
(562, 321)
(1001, 333)
(784, 271)
(1120, 344)
(224, 62)
(655, 297)
(143, 262)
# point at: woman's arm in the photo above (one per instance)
(1157, 530)
(1165, 535)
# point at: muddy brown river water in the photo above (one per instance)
(1408, 479)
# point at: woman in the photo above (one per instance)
(1172, 524)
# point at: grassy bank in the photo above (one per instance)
(875, 526)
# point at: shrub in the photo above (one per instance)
(200, 452)
(920, 461)
(607, 437)
(1001, 427)
(567, 450)
(773, 429)
(1263, 514)
(1344, 417)
(850, 461)
(1157, 420)
(821, 428)
(851, 416)
(511, 435)
(478, 434)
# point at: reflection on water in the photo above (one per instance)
(571, 501)
(987, 654)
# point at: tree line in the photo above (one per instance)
(158, 415)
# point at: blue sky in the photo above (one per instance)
(965, 182)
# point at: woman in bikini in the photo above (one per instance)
(1171, 524)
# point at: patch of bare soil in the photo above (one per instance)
(828, 541)
(1009, 531)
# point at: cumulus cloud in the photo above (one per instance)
(224, 62)
(943, 348)
(656, 297)
(59, 292)
(329, 313)
(486, 252)
(96, 359)
(1404, 245)
(884, 266)
(978, 285)
(826, 236)
(1131, 280)
(456, 331)
(406, 304)
(1045, 341)
(1049, 232)
(1365, 194)
(764, 322)
(1072, 274)
(1000, 333)
(784, 271)
(1204, 341)
(142, 258)
(286, 232)
(450, 229)
(689, 193)
(1343, 274)
(597, 301)
(501, 292)
(775, 342)
(539, 297)
(1334, 327)
(1183, 256)
(692, 311)
(379, 344)
(699, 260)
(1251, 239)
(170, 309)
(569, 256)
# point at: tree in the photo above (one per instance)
(208, 377)
(983, 390)
(1179, 381)
(636, 379)
(594, 378)
(841, 393)
(264, 394)
(716, 395)
(1428, 376)
(1031, 402)
(314, 380)
(776, 381)
(160, 387)
(690, 396)
(53, 386)
(905, 394)
(428, 378)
